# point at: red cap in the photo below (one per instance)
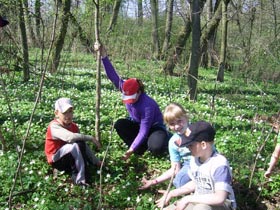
(130, 88)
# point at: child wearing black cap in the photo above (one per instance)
(144, 129)
(65, 146)
(210, 173)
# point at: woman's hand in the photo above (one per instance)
(99, 47)
(127, 154)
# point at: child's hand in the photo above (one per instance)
(97, 143)
(267, 174)
(145, 183)
(164, 200)
(182, 204)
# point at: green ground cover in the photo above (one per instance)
(231, 107)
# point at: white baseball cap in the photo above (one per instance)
(63, 104)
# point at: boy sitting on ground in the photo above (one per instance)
(209, 172)
(66, 148)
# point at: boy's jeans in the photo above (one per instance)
(182, 176)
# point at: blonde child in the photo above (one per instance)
(176, 118)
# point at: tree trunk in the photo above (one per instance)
(98, 75)
(82, 35)
(274, 10)
(38, 19)
(155, 37)
(211, 27)
(211, 41)
(29, 23)
(220, 76)
(168, 26)
(2, 139)
(179, 46)
(140, 12)
(184, 35)
(59, 42)
(114, 17)
(26, 73)
(195, 56)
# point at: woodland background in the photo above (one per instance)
(154, 39)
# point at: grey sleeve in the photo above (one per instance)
(58, 132)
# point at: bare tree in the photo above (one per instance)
(114, 17)
(168, 26)
(155, 36)
(211, 26)
(59, 42)
(98, 73)
(85, 41)
(183, 36)
(274, 10)
(28, 18)
(38, 19)
(178, 48)
(195, 56)
(220, 76)
(208, 54)
(26, 73)
(140, 12)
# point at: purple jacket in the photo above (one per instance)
(145, 111)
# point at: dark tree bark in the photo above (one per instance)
(25, 52)
(81, 33)
(2, 139)
(168, 27)
(212, 26)
(114, 17)
(220, 76)
(59, 42)
(274, 10)
(184, 35)
(38, 19)
(28, 18)
(140, 12)
(155, 37)
(195, 56)
(208, 53)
